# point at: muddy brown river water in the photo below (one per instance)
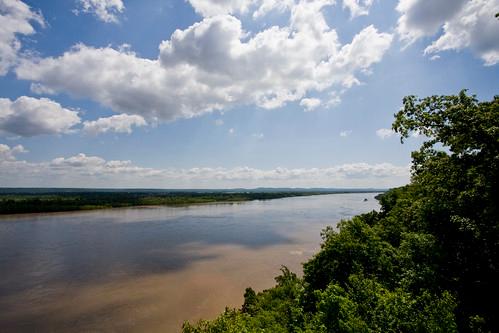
(149, 269)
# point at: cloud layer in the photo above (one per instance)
(9, 153)
(358, 7)
(93, 171)
(105, 10)
(464, 23)
(121, 123)
(16, 18)
(28, 116)
(213, 65)
(259, 8)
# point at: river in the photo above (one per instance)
(148, 269)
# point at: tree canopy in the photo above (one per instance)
(426, 262)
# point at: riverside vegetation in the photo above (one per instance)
(426, 262)
(19, 201)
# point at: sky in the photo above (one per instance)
(226, 94)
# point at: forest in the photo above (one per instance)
(54, 200)
(427, 261)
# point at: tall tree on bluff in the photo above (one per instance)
(456, 171)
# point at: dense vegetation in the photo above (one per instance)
(426, 262)
(57, 201)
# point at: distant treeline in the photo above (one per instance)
(27, 202)
(155, 191)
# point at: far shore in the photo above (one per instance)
(75, 211)
(62, 202)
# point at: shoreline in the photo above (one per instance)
(176, 205)
(92, 210)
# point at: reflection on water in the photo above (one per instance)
(148, 269)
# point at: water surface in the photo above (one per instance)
(149, 269)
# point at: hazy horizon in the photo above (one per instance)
(204, 189)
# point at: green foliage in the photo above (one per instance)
(456, 177)
(427, 262)
(69, 201)
(273, 310)
(364, 305)
(250, 301)
(357, 248)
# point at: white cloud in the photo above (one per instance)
(465, 24)
(8, 154)
(310, 104)
(208, 8)
(28, 116)
(121, 123)
(104, 10)
(385, 133)
(421, 18)
(357, 7)
(258, 136)
(79, 161)
(259, 8)
(232, 131)
(214, 65)
(346, 133)
(334, 99)
(366, 48)
(219, 122)
(475, 27)
(16, 18)
(93, 171)
(266, 6)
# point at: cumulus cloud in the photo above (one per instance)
(104, 10)
(259, 8)
(357, 7)
(475, 27)
(9, 153)
(121, 123)
(79, 170)
(28, 116)
(92, 171)
(464, 24)
(385, 133)
(266, 6)
(334, 99)
(346, 133)
(16, 18)
(421, 18)
(310, 104)
(214, 65)
(208, 8)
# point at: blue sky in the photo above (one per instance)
(220, 94)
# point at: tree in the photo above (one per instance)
(456, 172)
(426, 262)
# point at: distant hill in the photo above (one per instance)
(56, 190)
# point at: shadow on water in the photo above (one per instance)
(147, 269)
(49, 249)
